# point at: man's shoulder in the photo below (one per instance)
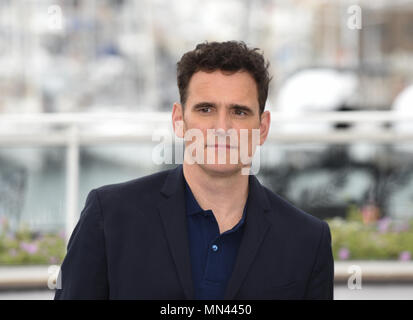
(145, 184)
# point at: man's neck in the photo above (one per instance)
(225, 195)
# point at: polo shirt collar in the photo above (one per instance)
(192, 206)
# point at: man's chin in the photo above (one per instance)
(222, 169)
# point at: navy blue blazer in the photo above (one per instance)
(131, 242)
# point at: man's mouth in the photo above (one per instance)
(227, 146)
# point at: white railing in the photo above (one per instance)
(73, 132)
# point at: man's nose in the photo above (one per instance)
(223, 122)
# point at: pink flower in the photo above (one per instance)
(404, 256)
(383, 225)
(344, 253)
(30, 248)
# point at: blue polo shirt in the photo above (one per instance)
(212, 254)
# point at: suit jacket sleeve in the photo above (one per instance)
(84, 269)
(321, 284)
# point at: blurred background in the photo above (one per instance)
(85, 84)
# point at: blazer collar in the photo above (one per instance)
(173, 215)
(176, 181)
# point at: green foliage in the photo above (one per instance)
(384, 239)
(26, 247)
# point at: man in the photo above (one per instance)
(204, 230)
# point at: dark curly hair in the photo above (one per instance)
(229, 56)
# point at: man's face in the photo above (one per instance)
(226, 102)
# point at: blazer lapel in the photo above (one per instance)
(173, 215)
(256, 227)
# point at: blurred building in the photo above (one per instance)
(79, 55)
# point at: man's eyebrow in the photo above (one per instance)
(203, 104)
(241, 107)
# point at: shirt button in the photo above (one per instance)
(215, 247)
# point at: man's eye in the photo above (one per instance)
(205, 109)
(240, 112)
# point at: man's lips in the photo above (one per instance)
(221, 146)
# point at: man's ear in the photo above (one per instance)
(264, 126)
(178, 120)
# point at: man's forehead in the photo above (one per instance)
(220, 88)
(207, 77)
